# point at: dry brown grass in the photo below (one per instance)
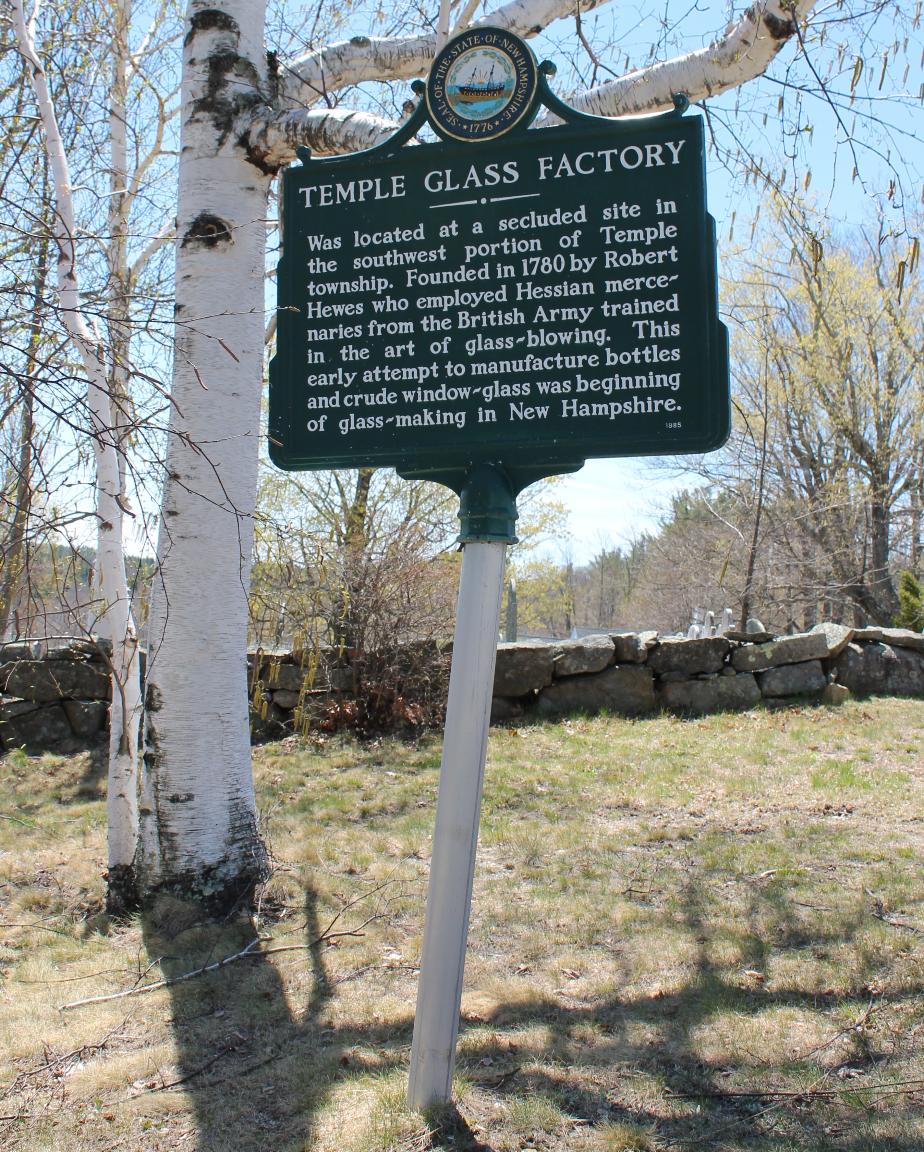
(685, 935)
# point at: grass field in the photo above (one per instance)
(701, 934)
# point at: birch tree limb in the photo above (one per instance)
(442, 24)
(166, 235)
(310, 77)
(744, 52)
(272, 139)
(465, 16)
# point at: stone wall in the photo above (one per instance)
(641, 673)
(57, 697)
(52, 695)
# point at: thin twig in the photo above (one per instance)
(374, 968)
(166, 982)
(17, 820)
(70, 979)
(58, 1061)
(872, 1007)
(196, 1072)
(892, 922)
(344, 909)
(245, 954)
(42, 927)
(239, 1072)
(807, 1094)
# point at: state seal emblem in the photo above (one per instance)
(481, 85)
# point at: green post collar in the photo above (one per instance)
(487, 506)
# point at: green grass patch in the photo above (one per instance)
(701, 934)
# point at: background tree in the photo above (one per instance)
(911, 602)
(810, 510)
(557, 597)
(545, 597)
(841, 404)
(355, 570)
(692, 564)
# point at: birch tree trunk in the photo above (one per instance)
(114, 610)
(117, 623)
(198, 816)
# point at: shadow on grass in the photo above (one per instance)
(258, 1068)
(92, 782)
(450, 1129)
(805, 1107)
(251, 1063)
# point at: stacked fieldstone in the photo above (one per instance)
(638, 673)
(59, 697)
(290, 690)
(53, 698)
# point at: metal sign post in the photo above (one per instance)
(484, 312)
(455, 835)
(487, 512)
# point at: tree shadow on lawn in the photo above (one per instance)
(708, 1113)
(254, 1066)
(93, 780)
(258, 1068)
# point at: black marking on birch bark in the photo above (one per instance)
(779, 29)
(217, 888)
(232, 89)
(153, 701)
(208, 230)
(273, 76)
(257, 155)
(121, 890)
(228, 883)
(211, 19)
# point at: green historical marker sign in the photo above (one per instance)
(485, 311)
(531, 300)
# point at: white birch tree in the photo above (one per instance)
(108, 409)
(102, 406)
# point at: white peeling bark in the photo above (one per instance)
(198, 816)
(115, 612)
(117, 623)
(327, 132)
(743, 53)
(442, 24)
(308, 78)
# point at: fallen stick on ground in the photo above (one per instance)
(246, 953)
